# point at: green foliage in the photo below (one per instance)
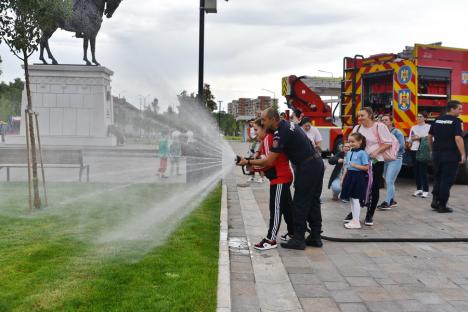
(227, 123)
(10, 99)
(21, 22)
(208, 98)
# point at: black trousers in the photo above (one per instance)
(308, 184)
(280, 204)
(377, 179)
(445, 173)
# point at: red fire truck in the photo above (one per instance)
(421, 78)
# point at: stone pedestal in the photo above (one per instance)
(74, 104)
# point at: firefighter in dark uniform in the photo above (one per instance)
(290, 138)
(448, 152)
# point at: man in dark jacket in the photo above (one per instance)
(448, 152)
(335, 179)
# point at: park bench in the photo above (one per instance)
(51, 158)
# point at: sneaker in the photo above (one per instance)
(294, 244)
(260, 180)
(425, 194)
(353, 224)
(314, 241)
(345, 200)
(369, 221)
(251, 179)
(384, 206)
(286, 237)
(348, 218)
(265, 244)
(393, 203)
(418, 193)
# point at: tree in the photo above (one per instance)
(228, 124)
(21, 22)
(10, 98)
(275, 105)
(155, 105)
(208, 98)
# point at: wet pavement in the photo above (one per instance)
(351, 276)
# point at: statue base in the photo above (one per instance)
(74, 105)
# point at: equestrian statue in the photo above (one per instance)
(85, 21)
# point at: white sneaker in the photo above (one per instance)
(425, 194)
(418, 193)
(353, 225)
(259, 180)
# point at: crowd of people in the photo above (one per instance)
(288, 153)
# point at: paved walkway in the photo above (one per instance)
(349, 276)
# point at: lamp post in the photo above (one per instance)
(327, 72)
(274, 94)
(219, 115)
(206, 6)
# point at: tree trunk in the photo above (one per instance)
(37, 199)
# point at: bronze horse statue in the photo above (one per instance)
(85, 21)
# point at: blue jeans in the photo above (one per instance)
(391, 171)
(336, 187)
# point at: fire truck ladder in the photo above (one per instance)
(349, 97)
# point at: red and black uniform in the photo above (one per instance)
(280, 177)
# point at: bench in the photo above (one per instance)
(51, 158)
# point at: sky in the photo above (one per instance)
(152, 46)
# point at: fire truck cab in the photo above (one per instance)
(421, 78)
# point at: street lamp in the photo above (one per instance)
(327, 72)
(274, 94)
(208, 6)
(219, 115)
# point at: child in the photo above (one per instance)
(355, 179)
(163, 154)
(280, 177)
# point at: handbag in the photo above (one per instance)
(392, 152)
(423, 154)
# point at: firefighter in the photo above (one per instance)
(289, 138)
(448, 151)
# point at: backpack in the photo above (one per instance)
(391, 153)
(423, 154)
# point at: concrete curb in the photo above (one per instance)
(224, 275)
(274, 289)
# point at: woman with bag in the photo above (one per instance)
(392, 167)
(379, 147)
(418, 139)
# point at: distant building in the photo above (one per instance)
(125, 115)
(246, 108)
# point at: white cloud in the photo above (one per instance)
(152, 46)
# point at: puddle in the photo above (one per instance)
(239, 245)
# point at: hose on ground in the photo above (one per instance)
(396, 239)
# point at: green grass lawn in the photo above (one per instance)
(49, 261)
(232, 138)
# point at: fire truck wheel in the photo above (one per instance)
(462, 177)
